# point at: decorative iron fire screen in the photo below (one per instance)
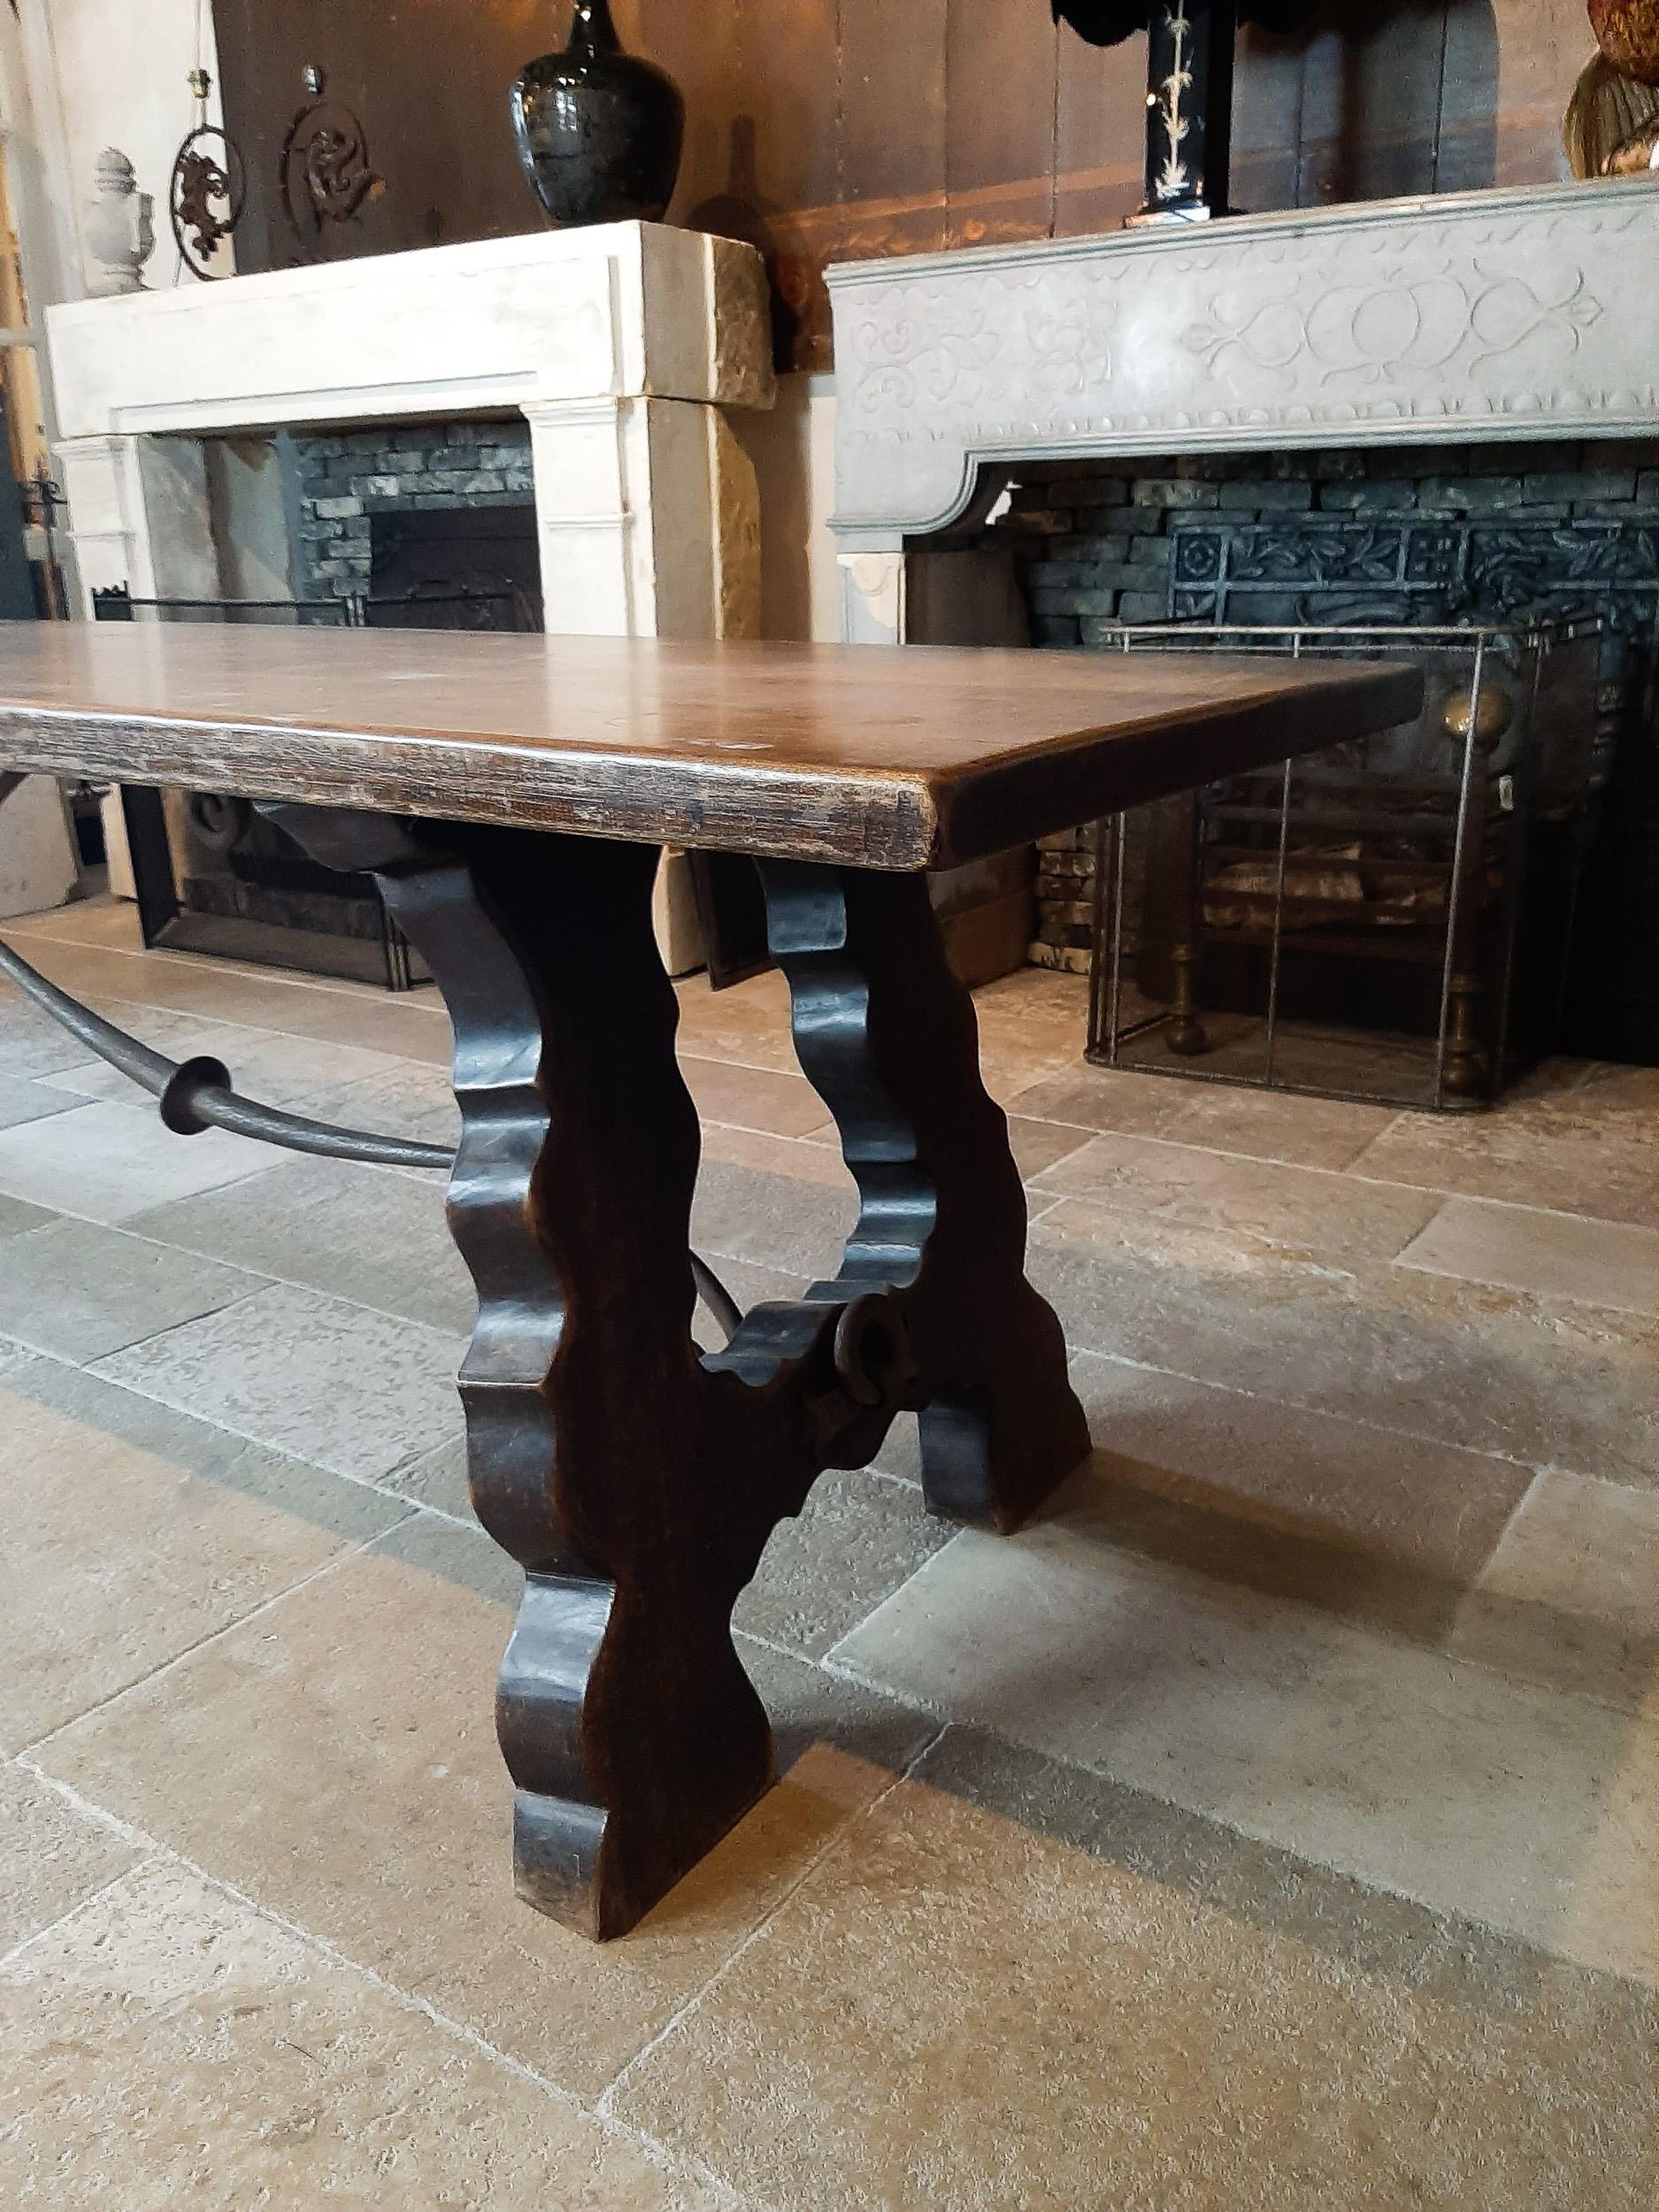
(1387, 921)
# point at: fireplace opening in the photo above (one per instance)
(457, 569)
(1524, 537)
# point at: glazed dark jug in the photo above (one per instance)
(599, 131)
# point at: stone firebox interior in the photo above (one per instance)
(430, 509)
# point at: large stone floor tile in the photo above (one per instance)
(1033, 1022)
(102, 919)
(24, 1100)
(1545, 1382)
(1012, 1988)
(412, 1024)
(51, 1856)
(408, 1099)
(859, 1538)
(1329, 1133)
(1357, 1520)
(796, 1226)
(767, 1099)
(337, 1762)
(1571, 1595)
(1225, 1118)
(17, 1220)
(1556, 1152)
(166, 2045)
(814, 1159)
(80, 1291)
(1306, 1209)
(363, 1233)
(748, 1025)
(108, 1162)
(1037, 1145)
(132, 1533)
(355, 1391)
(1611, 1263)
(286, 1071)
(1439, 1779)
(1085, 1097)
(30, 1045)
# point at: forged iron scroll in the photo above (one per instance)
(325, 173)
(206, 194)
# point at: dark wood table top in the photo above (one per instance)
(874, 755)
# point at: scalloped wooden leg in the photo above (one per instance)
(631, 1733)
(887, 1036)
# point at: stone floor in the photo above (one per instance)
(1273, 1825)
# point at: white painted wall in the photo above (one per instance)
(115, 73)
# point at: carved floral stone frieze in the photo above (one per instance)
(1477, 315)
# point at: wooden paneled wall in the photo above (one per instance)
(827, 129)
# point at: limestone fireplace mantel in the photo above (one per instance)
(623, 345)
(1511, 314)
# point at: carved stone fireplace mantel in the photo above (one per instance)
(623, 345)
(1476, 316)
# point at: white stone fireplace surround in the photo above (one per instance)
(622, 346)
(1482, 316)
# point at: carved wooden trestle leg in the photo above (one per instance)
(635, 1479)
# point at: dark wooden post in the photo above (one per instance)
(1190, 46)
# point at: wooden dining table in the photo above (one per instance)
(508, 795)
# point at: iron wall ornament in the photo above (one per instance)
(599, 131)
(326, 176)
(207, 189)
(1627, 32)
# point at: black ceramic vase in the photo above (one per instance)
(599, 131)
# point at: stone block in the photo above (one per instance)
(1327, 468)
(379, 486)
(1367, 498)
(1500, 460)
(1113, 546)
(337, 510)
(1143, 606)
(1149, 554)
(1473, 495)
(1397, 461)
(1571, 485)
(1171, 492)
(1145, 522)
(1289, 497)
(1075, 599)
(1087, 491)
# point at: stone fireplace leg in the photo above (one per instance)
(634, 1480)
